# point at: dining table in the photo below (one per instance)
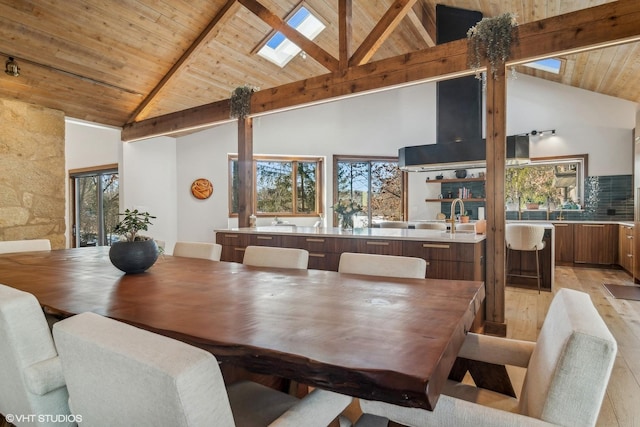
(378, 338)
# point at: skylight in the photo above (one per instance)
(550, 65)
(279, 49)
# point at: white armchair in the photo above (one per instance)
(31, 380)
(382, 265)
(121, 375)
(9, 246)
(568, 370)
(268, 256)
(211, 251)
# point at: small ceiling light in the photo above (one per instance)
(542, 132)
(303, 55)
(11, 67)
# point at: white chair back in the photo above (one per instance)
(524, 237)
(10, 246)
(267, 256)
(431, 226)
(382, 265)
(569, 369)
(211, 251)
(31, 380)
(466, 226)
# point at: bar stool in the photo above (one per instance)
(525, 237)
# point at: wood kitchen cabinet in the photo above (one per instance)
(625, 247)
(449, 260)
(564, 243)
(595, 244)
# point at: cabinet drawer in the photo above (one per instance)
(310, 243)
(232, 239)
(379, 246)
(323, 261)
(265, 240)
(446, 251)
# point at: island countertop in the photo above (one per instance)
(365, 233)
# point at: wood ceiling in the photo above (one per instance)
(117, 62)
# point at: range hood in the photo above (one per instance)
(459, 155)
(459, 142)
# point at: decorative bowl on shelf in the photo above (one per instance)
(461, 173)
(439, 176)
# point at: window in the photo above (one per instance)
(283, 186)
(279, 49)
(96, 203)
(550, 65)
(554, 181)
(375, 183)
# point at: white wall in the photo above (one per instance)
(158, 173)
(88, 145)
(148, 182)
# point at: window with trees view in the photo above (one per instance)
(96, 200)
(375, 183)
(282, 186)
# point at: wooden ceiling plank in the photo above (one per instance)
(345, 32)
(198, 43)
(278, 24)
(382, 30)
(611, 23)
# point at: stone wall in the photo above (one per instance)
(32, 173)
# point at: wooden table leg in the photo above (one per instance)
(486, 375)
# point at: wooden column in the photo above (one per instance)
(245, 170)
(496, 97)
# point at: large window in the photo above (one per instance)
(96, 204)
(284, 186)
(554, 182)
(376, 183)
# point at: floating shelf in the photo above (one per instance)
(441, 181)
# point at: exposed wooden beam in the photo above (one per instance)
(193, 118)
(381, 31)
(608, 24)
(278, 24)
(423, 18)
(345, 32)
(199, 42)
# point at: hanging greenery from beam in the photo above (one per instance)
(492, 38)
(241, 101)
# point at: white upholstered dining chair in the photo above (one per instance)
(527, 238)
(568, 370)
(382, 265)
(268, 256)
(10, 246)
(120, 375)
(31, 380)
(211, 251)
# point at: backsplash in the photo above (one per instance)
(607, 198)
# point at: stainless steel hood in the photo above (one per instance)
(459, 155)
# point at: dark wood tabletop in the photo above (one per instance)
(377, 338)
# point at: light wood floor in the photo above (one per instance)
(525, 311)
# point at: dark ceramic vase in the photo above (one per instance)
(134, 257)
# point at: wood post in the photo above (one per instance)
(496, 104)
(245, 170)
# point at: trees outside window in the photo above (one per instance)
(375, 183)
(282, 186)
(96, 203)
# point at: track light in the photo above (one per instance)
(542, 132)
(11, 67)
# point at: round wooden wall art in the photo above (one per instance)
(202, 188)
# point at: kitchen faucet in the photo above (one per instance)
(453, 212)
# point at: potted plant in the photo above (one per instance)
(346, 209)
(491, 38)
(464, 218)
(134, 253)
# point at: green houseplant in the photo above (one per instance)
(134, 253)
(491, 38)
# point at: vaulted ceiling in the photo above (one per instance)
(117, 62)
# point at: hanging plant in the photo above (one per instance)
(241, 101)
(492, 38)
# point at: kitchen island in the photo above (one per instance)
(457, 256)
